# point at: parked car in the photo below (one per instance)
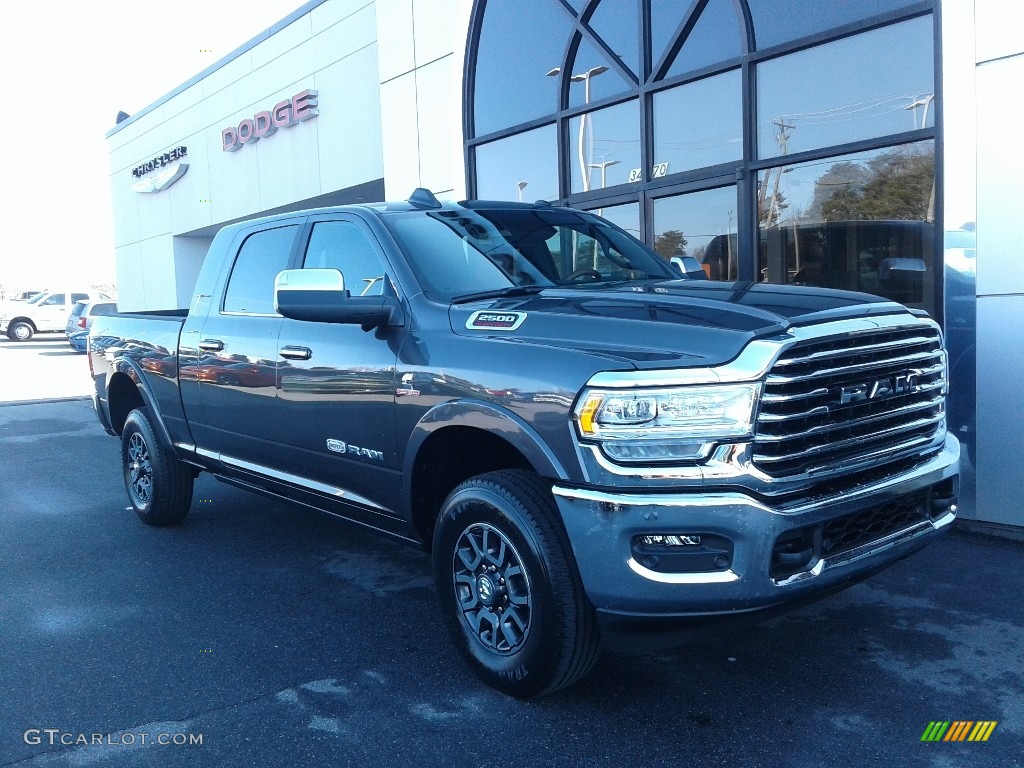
(46, 312)
(24, 295)
(80, 319)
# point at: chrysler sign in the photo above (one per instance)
(299, 108)
(167, 171)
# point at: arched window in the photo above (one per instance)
(707, 127)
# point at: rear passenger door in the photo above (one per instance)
(228, 371)
(336, 383)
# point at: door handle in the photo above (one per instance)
(296, 353)
(211, 345)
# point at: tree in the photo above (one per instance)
(670, 243)
(894, 185)
(843, 179)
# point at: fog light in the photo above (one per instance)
(693, 552)
(671, 540)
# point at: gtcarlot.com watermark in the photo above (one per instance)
(56, 737)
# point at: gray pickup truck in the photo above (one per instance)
(594, 449)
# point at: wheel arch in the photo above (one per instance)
(460, 439)
(127, 390)
(23, 319)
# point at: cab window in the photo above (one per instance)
(343, 246)
(251, 285)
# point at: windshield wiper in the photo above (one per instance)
(498, 293)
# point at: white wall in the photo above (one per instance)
(1000, 261)
(422, 46)
(331, 49)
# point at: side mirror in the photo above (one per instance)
(319, 296)
(688, 268)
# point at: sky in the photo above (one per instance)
(66, 68)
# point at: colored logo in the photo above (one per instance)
(959, 730)
(495, 321)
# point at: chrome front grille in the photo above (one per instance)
(840, 404)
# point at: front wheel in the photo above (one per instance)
(20, 331)
(508, 586)
(159, 486)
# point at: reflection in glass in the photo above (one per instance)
(856, 88)
(702, 225)
(607, 147)
(519, 43)
(779, 21)
(960, 329)
(860, 222)
(520, 167)
(616, 24)
(250, 288)
(626, 216)
(592, 79)
(700, 123)
(666, 16)
(343, 246)
(716, 37)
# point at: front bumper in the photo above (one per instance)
(603, 526)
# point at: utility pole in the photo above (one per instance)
(782, 139)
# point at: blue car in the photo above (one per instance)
(79, 340)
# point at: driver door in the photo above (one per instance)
(336, 382)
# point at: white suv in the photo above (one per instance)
(46, 312)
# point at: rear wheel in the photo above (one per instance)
(508, 585)
(20, 331)
(159, 486)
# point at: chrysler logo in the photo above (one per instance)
(877, 389)
(162, 180)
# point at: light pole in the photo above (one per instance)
(582, 77)
(924, 101)
(519, 189)
(603, 165)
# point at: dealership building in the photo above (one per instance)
(864, 144)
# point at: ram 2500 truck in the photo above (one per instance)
(589, 445)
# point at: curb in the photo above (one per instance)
(43, 401)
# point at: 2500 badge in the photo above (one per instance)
(495, 321)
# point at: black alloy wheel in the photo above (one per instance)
(140, 471)
(508, 585)
(493, 589)
(159, 485)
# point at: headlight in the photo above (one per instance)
(681, 423)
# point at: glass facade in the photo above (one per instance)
(787, 141)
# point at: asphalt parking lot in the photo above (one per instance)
(280, 637)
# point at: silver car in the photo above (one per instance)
(82, 314)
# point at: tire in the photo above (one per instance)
(20, 331)
(508, 586)
(159, 486)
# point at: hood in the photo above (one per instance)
(661, 325)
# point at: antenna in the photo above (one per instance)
(423, 198)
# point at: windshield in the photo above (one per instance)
(37, 298)
(461, 253)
